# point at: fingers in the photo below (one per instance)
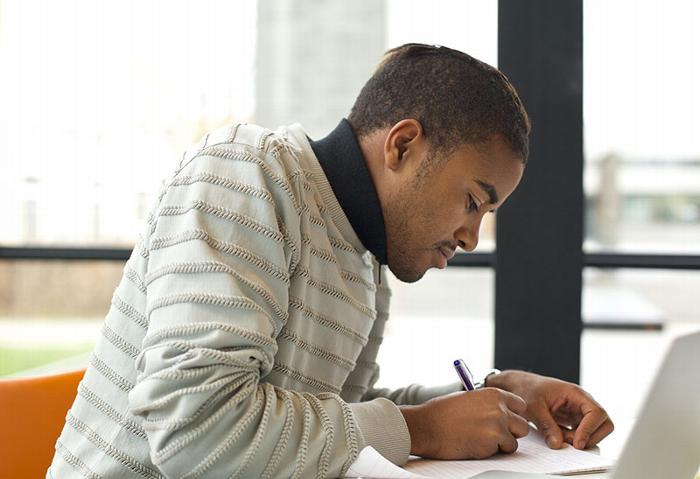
(568, 435)
(592, 421)
(508, 444)
(511, 423)
(568, 418)
(603, 431)
(518, 426)
(547, 425)
(515, 403)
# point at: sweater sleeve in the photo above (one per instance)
(413, 394)
(219, 259)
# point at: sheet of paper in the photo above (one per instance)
(371, 464)
(532, 455)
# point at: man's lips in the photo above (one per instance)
(447, 252)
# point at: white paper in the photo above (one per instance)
(532, 455)
(371, 464)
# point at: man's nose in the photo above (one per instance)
(468, 236)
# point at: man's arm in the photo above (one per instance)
(478, 424)
(444, 422)
(413, 394)
(483, 424)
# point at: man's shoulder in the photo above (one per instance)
(275, 151)
(252, 160)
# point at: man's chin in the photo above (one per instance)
(407, 276)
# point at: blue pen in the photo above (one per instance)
(464, 374)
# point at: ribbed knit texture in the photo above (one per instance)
(243, 335)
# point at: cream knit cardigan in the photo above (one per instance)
(242, 338)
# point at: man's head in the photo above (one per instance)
(445, 137)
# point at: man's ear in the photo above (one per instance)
(403, 138)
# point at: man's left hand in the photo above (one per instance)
(562, 411)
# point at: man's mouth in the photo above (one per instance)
(447, 252)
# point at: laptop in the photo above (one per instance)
(665, 440)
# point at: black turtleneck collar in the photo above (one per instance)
(342, 162)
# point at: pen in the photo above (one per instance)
(464, 374)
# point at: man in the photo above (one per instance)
(242, 338)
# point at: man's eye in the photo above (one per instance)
(472, 206)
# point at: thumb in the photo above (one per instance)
(547, 426)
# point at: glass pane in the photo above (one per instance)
(446, 315)
(51, 312)
(617, 365)
(470, 26)
(101, 102)
(642, 170)
(102, 113)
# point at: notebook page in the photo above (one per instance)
(532, 455)
(371, 464)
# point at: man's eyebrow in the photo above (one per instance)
(489, 190)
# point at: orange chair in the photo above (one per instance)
(32, 413)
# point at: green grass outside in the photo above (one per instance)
(14, 360)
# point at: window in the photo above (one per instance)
(445, 316)
(639, 311)
(642, 185)
(104, 98)
(101, 102)
(642, 170)
(52, 311)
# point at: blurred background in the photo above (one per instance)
(98, 101)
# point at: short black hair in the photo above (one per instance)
(457, 99)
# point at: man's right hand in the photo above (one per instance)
(466, 425)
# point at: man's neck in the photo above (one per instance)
(348, 171)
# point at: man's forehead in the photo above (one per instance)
(495, 170)
(489, 156)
